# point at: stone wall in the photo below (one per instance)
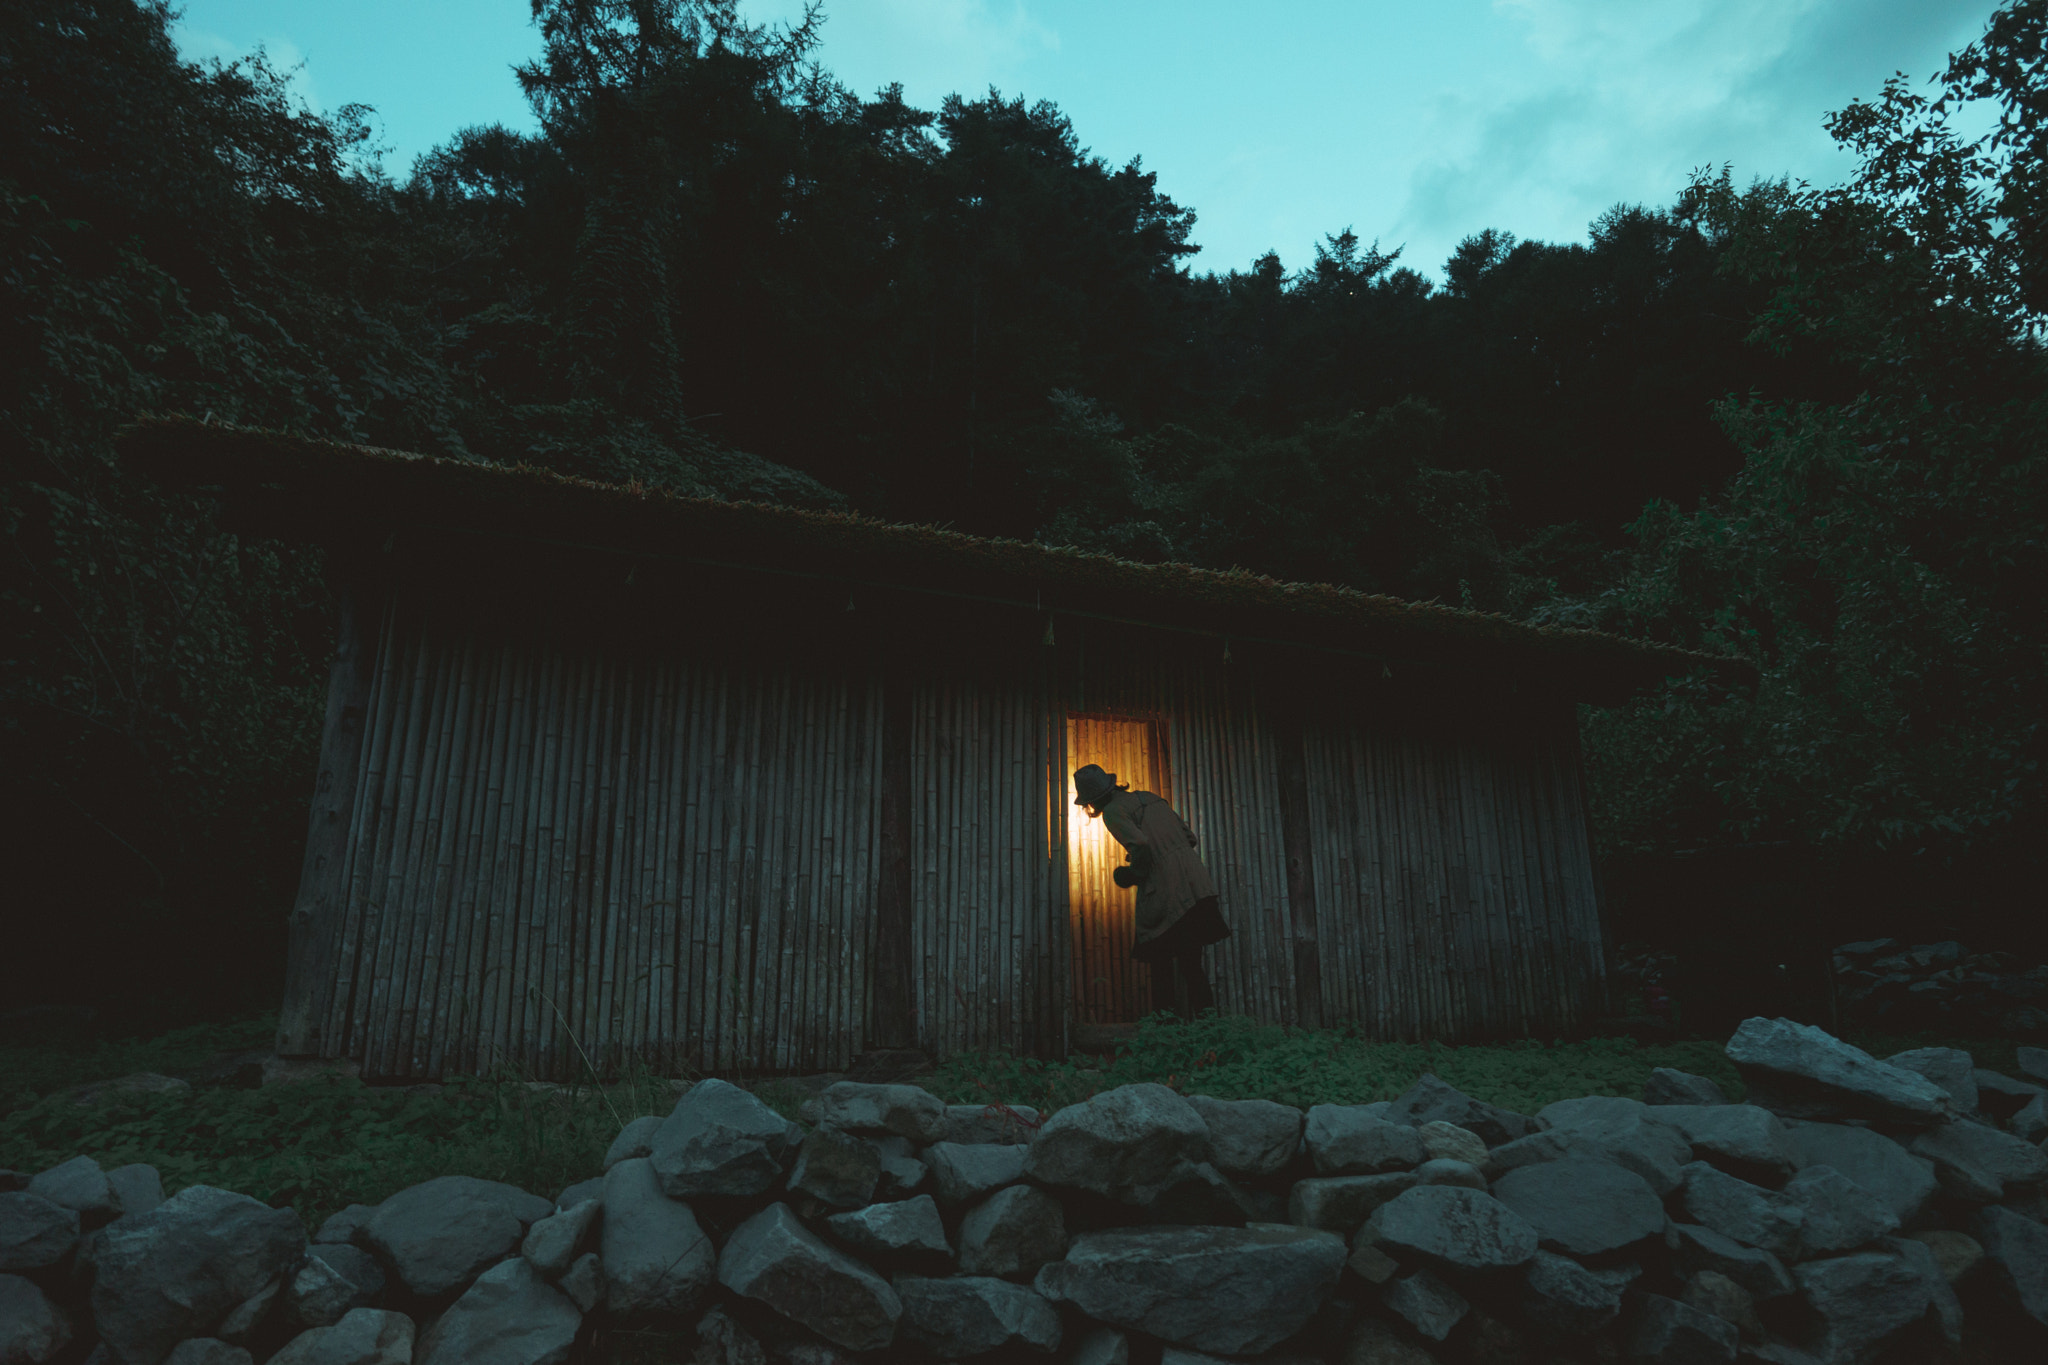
(1855, 1208)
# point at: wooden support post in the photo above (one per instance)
(1301, 880)
(894, 986)
(316, 914)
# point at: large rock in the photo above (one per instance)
(1975, 1162)
(1946, 1310)
(1012, 1233)
(1001, 1124)
(636, 1139)
(1343, 1139)
(909, 1229)
(1341, 1203)
(775, 1260)
(2030, 1120)
(1445, 1171)
(1653, 1150)
(1239, 1291)
(206, 1351)
(1956, 1253)
(175, 1272)
(2016, 1254)
(965, 1172)
(32, 1329)
(1858, 1302)
(901, 1171)
(81, 1186)
(1447, 1226)
(656, 1259)
(721, 1140)
(969, 1315)
(1674, 1333)
(1839, 1215)
(905, 1110)
(1583, 1207)
(1250, 1137)
(553, 1243)
(346, 1225)
(1669, 1086)
(1372, 1342)
(1903, 1181)
(836, 1169)
(1195, 1192)
(510, 1316)
(1799, 1071)
(34, 1232)
(436, 1236)
(1431, 1098)
(1448, 1142)
(1745, 1140)
(1695, 1248)
(137, 1187)
(365, 1336)
(1748, 1213)
(1101, 1346)
(1560, 1295)
(331, 1282)
(1951, 1068)
(1999, 1097)
(1118, 1140)
(1426, 1303)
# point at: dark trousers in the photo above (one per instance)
(1187, 967)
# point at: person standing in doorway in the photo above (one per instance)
(1177, 916)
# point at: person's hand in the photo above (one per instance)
(1125, 875)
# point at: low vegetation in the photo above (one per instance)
(321, 1144)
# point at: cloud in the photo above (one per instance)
(935, 47)
(197, 44)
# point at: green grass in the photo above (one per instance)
(321, 1144)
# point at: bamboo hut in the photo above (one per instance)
(608, 773)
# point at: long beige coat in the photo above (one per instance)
(1178, 879)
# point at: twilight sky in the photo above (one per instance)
(1414, 124)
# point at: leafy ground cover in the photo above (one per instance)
(323, 1143)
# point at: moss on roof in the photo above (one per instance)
(344, 487)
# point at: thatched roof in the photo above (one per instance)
(302, 484)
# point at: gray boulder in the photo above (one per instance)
(553, 1243)
(584, 1282)
(656, 1259)
(1583, 1110)
(1101, 1346)
(1737, 1209)
(1238, 1291)
(1426, 1303)
(1000, 1124)
(1343, 1139)
(437, 1235)
(910, 1229)
(137, 1187)
(345, 1226)
(208, 1351)
(1674, 1333)
(1372, 1342)
(1655, 1151)
(1712, 1292)
(1998, 1097)
(1957, 1253)
(510, 1315)
(969, 1315)
(1582, 1207)
(2030, 1121)
(1839, 1215)
(32, 1329)
(1695, 1248)
(775, 1260)
(175, 1272)
(1976, 1163)
(901, 1171)
(1744, 1140)
(1560, 1295)
(1250, 1137)
(2016, 1255)
(243, 1320)
(1448, 1142)
(1902, 1180)
(636, 1139)
(2033, 1063)
(1342, 1203)
(721, 1140)
(1446, 1226)
(1195, 1192)
(836, 1169)
(1947, 1309)
(333, 1280)
(722, 1341)
(965, 1172)
(1669, 1086)
(81, 1186)
(1012, 1233)
(1445, 1171)
(1118, 1140)
(1859, 1302)
(905, 1110)
(366, 1336)
(575, 1194)
(1799, 1071)
(1948, 1067)
(34, 1232)
(1431, 1098)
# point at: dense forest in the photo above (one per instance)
(1802, 424)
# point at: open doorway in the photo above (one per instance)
(1108, 987)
